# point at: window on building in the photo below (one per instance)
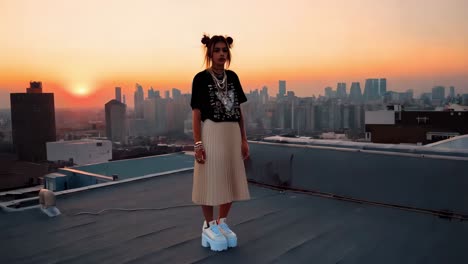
(368, 136)
(422, 120)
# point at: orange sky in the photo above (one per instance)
(81, 50)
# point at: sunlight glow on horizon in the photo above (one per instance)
(81, 90)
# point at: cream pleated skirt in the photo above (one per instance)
(222, 178)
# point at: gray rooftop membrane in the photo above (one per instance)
(273, 227)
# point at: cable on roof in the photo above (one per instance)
(158, 208)
(133, 209)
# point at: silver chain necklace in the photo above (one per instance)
(220, 84)
(223, 95)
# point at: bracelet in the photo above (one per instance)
(198, 146)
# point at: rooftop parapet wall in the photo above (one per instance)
(431, 149)
(423, 181)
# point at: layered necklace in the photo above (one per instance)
(220, 79)
(226, 97)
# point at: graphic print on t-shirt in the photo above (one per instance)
(227, 98)
(224, 104)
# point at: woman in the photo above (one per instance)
(220, 142)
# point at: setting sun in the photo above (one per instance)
(81, 90)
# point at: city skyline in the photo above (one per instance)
(81, 51)
(327, 92)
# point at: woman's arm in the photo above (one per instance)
(196, 125)
(200, 155)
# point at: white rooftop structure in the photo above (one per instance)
(457, 107)
(85, 151)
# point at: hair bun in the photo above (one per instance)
(205, 40)
(229, 40)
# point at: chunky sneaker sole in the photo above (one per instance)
(230, 236)
(232, 242)
(212, 237)
(214, 245)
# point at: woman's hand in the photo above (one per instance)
(200, 155)
(245, 149)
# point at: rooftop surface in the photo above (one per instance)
(272, 227)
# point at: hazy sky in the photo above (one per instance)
(82, 49)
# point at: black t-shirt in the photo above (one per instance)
(207, 98)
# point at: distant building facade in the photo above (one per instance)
(139, 98)
(355, 93)
(176, 93)
(116, 125)
(375, 89)
(328, 92)
(423, 127)
(438, 95)
(281, 89)
(33, 122)
(452, 92)
(341, 91)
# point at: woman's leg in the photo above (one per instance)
(208, 213)
(224, 210)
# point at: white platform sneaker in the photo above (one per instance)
(227, 232)
(212, 237)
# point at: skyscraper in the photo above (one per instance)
(118, 94)
(264, 95)
(452, 92)
(371, 90)
(355, 93)
(438, 95)
(176, 93)
(328, 92)
(161, 108)
(282, 89)
(151, 93)
(357, 114)
(33, 122)
(150, 115)
(167, 94)
(410, 93)
(375, 89)
(116, 123)
(139, 98)
(341, 91)
(382, 86)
